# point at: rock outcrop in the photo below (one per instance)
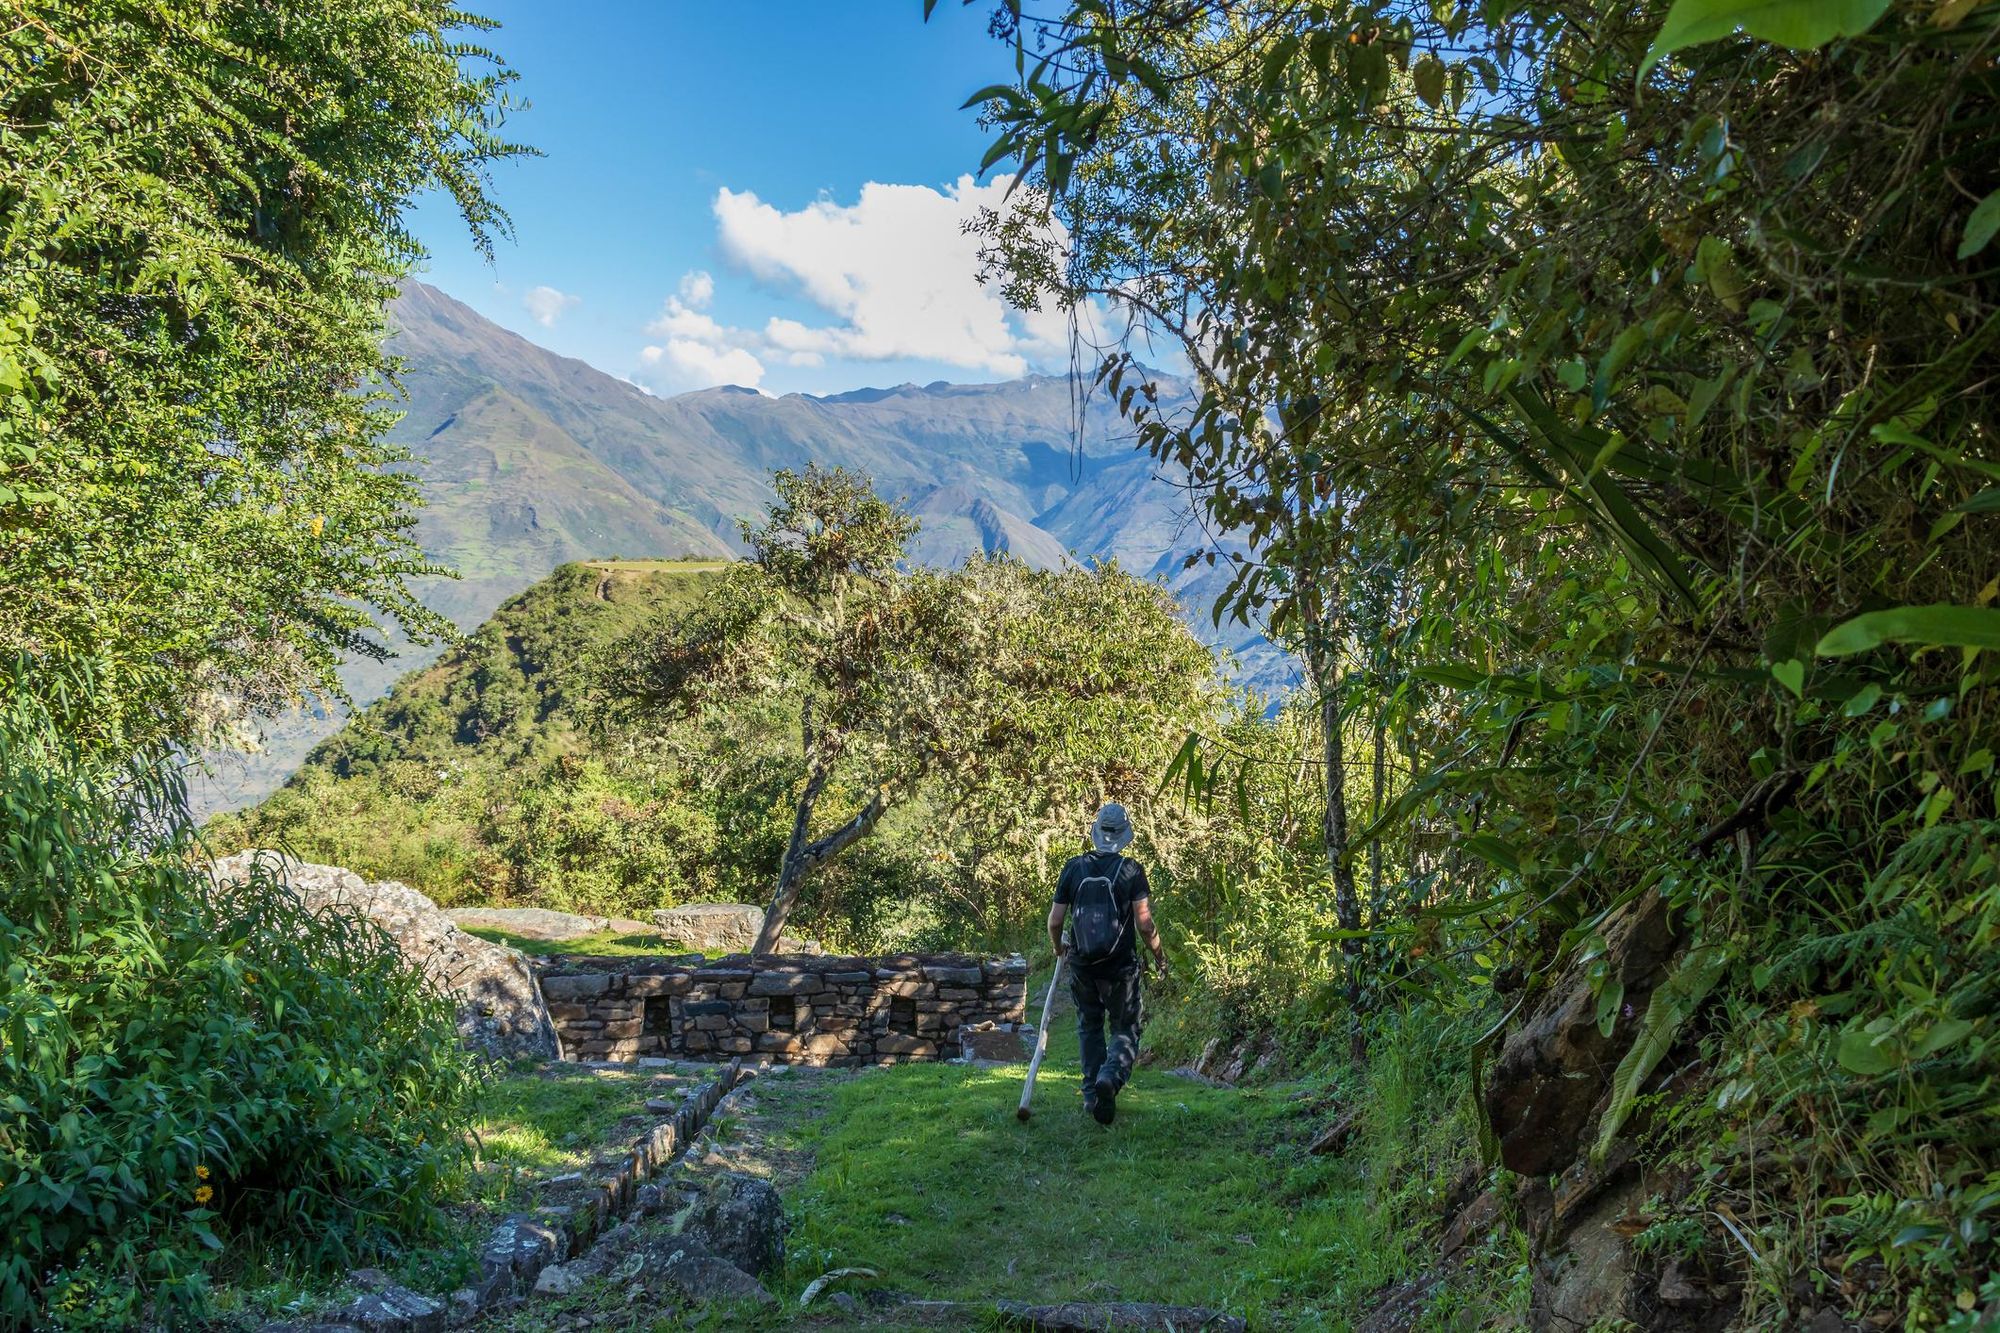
(1556, 1066)
(742, 1219)
(719, 928)
(500, 1009)
(539, 923)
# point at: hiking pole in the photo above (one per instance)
(1041, 1044)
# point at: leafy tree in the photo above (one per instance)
(193, 1072)
(960, 685)
(1652, 366)
(200, 221)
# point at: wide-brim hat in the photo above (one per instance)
(1111, 831)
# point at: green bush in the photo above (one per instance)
(188, 1071)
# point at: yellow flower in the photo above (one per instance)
(250, 977)
(201, 1173)
(204, 1194)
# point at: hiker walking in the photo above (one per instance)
(1103, 895)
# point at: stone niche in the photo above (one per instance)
(806, 1009)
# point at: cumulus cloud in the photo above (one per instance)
(697, 289)
(696, 352)
(546, 305)
(686, 363)
(895, 269)
(894, 273)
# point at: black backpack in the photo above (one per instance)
(1097, 923)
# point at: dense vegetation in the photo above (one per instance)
(189, 1069)
(602, 745)
(200, 220)
(1607, 395)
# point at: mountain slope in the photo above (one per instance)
(529, 459)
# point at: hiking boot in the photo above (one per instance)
(1090, 1098)
(1104, 1106)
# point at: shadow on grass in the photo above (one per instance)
(1196, 1195)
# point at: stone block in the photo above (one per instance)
(623, 1029)
(896, 1043)
(696, 1042)
(786, 983)
(851, 978)
(778, 1043)
(569, 1013)
(714, 1023)
(957, 994)
(734, 1045)
(826, 1044)
(717, 975)
(732, 990)
(705, 1008)
(946, 975)
(581, 986)
(750, 1021)
(666, 983)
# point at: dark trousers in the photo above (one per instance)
(1107, 999)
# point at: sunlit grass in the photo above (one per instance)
(603, 943)
(1196, 1195)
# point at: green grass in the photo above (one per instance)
(602, 944)
(658, 566)
(1196, 1195)
(550, 1123)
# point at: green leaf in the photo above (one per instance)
(1799, 24)
(1859, 1054)
(1429, 78)
(1942, 1034)
(1791, 675)
(1939, 625)
(1980, 226)
(1671, 1006)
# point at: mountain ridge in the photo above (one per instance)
(530, 459)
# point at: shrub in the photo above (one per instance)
(186, 1070)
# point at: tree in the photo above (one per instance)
(994, 691)
(1653, 346)
(200, 222)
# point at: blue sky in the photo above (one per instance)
(748, 192)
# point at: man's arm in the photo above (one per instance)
(1142, 917)
(1057, 915)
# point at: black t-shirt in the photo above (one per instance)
(1127, 889)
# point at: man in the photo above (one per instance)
(1108, 894)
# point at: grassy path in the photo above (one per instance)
(1196, 1195)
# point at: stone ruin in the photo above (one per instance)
(789, 1008)
(794, 1009)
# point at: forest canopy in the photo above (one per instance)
(1606, 392)
(201, 219)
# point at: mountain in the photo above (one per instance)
(530, 460)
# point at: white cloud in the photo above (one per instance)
(684, 363)
(895, 273)
(546, 305)
(696, 352)
(896, 269)
(697, 289)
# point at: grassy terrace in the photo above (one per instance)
(1196, 1195)
(603, 944)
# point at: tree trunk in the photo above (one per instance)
(802, 858)
(1376, 899)
(1323, 660)
(1323, 663)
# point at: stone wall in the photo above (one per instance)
(792, 1008)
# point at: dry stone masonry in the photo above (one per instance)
(793, 1009)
